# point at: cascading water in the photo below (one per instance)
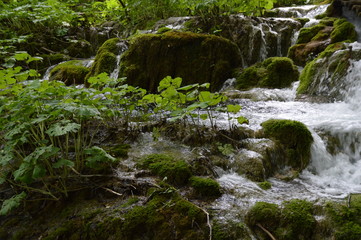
(122, 45)
(335, 168)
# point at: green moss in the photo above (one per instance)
(163, 30)
(343, 31)
(266, 214)
(303, 21)
(175, 171)
(275, 72)
(346, 221)
(70, 72)
(294, 137)
(196, 58)
(165, 216)
(120, 150)
(297, 218)
(205, 187)
(229, 230)
(265, 185)
(312, 68)
(106, 58)
(294, 220)
(306, 34)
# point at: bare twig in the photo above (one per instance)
(266, 231)
(114, 192)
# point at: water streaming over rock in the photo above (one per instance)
(123, 46)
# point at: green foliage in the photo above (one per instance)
(12, 203)
(205, 187)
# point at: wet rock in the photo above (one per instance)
(196, 58)
(257, 38)
(250, 164)
(275, 72)
(71, 72)
(106, 57)
(295, 141)
(314, 40)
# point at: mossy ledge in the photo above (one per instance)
(71, 72)
(196, 58)
(205, 187)
(295, 140)
(274, 72)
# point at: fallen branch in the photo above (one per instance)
(208, 221)
(266, 231)
(111, 191)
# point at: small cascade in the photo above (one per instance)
(122, 48)
(85, 63)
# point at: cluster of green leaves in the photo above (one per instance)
(48, 130)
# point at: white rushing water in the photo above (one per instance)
(335, 168)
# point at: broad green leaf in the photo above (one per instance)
(24, 173)
(2, 180)
(97, 156)
(6, 157)
(41, 153)
(38, 171)
(12, 203)
(21, 56)
(204, 116)
(63, 163)
(188, 87)
(63, 127)
(169, 82)
(233, 108)
(242, 120)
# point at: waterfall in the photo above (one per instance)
(122, 48)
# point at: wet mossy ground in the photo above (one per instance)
(275, 72)
(293, 220)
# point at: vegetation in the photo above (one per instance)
(274, 72)
(205, 187)
(294, 220)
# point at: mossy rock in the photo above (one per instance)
(274, 72)
(205, 187)
(266, 214)
(312, 41)
(307, 34)
(165, 216)
(71, 72)
(251, 167)
(346, 222)
(176, 171)
(230, 230)
(196, 58)
(293, 220)
(294, 138)
(106, 57)
(331, 64)
(343, 31)
(265, 185)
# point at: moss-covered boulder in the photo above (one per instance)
(175, 171)
(250, 164)
(257, 38)
(106, 57)
(196, 58)
(205, 187)
(295, 140)
(165, 216)
(71, 72)
(275, 72)
(314, 40)
(293, 220)
(323, 79)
